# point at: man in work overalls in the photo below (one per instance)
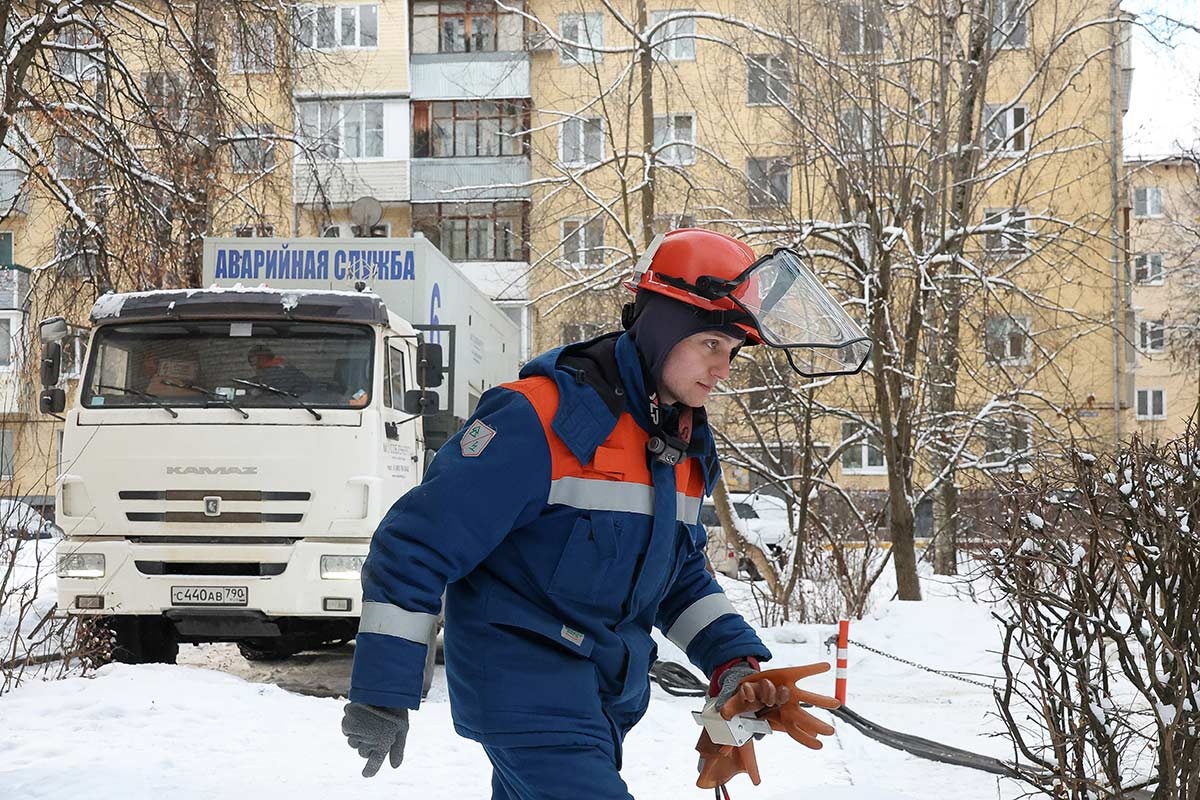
(562, 524)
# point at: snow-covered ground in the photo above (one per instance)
(189, 731)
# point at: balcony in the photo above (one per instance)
(486, 178)
(458, 76)
(344, 181)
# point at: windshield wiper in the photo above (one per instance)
(209, 393)
(276, 390)
(153, 398)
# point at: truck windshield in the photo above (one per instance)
(207, 363)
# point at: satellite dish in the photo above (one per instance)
(366, 212)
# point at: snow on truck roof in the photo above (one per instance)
(254, 302)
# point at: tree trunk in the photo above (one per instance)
(945, 529)
(757, 557)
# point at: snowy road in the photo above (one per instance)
(211, 727)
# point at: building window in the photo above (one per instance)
(769, 182)
(164, 93)
(675, 40)
(767, 81)
(583, 242)
(861, 27)
(6, 342)
(78, 53)
(332, 27)
(342, 130)
(7, 454)
(254, 231)
(1004, 129)
(473, 26)
(1148, 268)
(669, 222)
(1010, 23)
(582, 141)
(518, 312)
(864, 453)
(859, 131)
(1008, 231)
(1152, 335)
(580, 331)
(1006, 442)
(1006, 339)
(470, 128)
(252, 45)
(581, 34)
(474, 231)
(254, 149)
(675, 139)
(1147, 202)
(1151, 404)
(72, 161)
(76, 253)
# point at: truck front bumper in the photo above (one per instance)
(279, 580)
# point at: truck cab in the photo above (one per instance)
(226, 460)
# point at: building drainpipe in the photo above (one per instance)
(1114, 179)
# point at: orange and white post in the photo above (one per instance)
(843, 652)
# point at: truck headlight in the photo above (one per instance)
(341, 568)
(81, 565)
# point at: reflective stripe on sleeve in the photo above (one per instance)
(697, 617)
(687, 508)
(392, 620)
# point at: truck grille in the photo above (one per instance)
(211, 510)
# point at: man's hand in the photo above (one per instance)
(376, 732)
(752, 696)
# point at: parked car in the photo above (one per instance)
(765, 520)
(19, 520)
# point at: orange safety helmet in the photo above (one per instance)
(683, 263)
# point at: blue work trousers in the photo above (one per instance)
(561, 772)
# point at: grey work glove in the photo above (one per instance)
(729, 682)
(376, 732)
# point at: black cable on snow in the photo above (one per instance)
(677, 680)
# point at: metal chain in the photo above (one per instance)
(943, 673)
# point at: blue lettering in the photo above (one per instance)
(435, 302)
(222, 265)
(272, 259)
(339, 264)
(410, 266)
(323, 265)
(259, 259)
(235, 264)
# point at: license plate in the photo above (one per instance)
(209, 595)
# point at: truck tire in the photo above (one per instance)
(144, 640)
(279, 649)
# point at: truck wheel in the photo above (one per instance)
(266, 649)
(144, 640)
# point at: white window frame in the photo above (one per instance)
(581, 140)
(856, 127)
(261, 34)
(1008, 456)
(579, 227)
(1147, 202)
(675, 40)
(773, 201)
(308, 19)
(256, 141)
(1149, 265)
(775, 76)
(857, 13)
(1010, 24)
(1012, 324)
(1150, 330)
(864, 448)
(76, 64)
(573, 50)
(1006, 129)
(1003, 243)
(1144, 398)
(11, 435)
(72, 160)
(683, 151)
(330, 136)
(16, 320)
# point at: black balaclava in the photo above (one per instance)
(662, 323)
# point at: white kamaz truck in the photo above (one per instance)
(230, 450)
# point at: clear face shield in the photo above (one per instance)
(793, 311)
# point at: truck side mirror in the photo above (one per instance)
(417, 401)
(52, 401)
(52, 329)
(51, 363)
(429, 365)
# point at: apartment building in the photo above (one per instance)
(1164, 278)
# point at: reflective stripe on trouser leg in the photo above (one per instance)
(391, 620)
(697, 617)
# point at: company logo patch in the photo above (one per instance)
(475, 439)
(571, 635)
